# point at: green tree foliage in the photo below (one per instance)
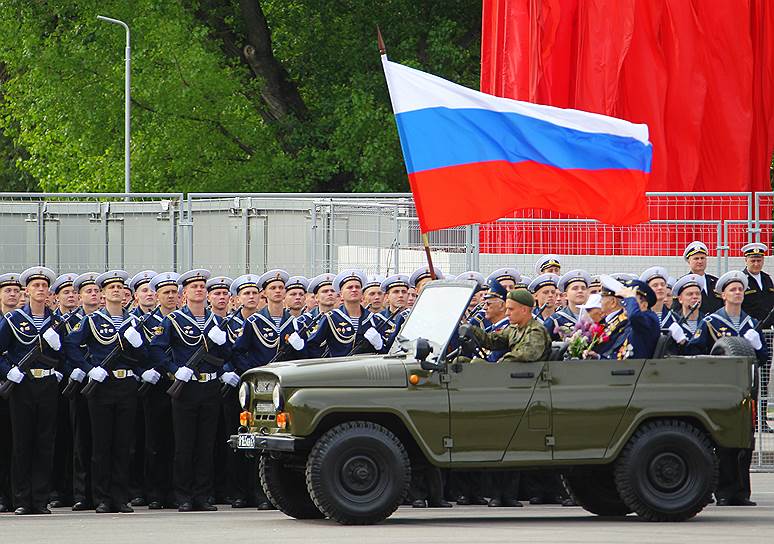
(228, 95)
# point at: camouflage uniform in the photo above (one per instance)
(522, 344)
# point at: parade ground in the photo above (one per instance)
(477, 524)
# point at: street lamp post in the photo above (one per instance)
(127, 104)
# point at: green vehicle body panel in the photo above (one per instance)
(509, 415)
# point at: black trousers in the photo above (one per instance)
(195, 420)
(62, 476)
(734, 473)
(137, 454)
(33, 405)
(503, 485)
(112, 410)
(159, 443)
(6, 444)
(241, 471)
(81, 428)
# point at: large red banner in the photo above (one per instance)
(700, 73)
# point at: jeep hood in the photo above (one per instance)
(358, 371)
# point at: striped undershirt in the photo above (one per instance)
(277, 320)
(117, 320)
(735, 320)
(355, 325)
(38, 320)
(200, 319)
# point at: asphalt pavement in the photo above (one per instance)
(468, 524)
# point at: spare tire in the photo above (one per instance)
(735, 346)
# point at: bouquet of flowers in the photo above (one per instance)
(584, 337)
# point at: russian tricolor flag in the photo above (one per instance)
(473, 157)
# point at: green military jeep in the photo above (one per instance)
(339, 438)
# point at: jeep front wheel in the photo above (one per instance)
(285, 486)
(594, 489)
(358, 473)
(667, 471)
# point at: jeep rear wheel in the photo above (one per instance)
(667, 471)
(594, 489)
(358, 473)
(285, 487)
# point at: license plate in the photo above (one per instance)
(263, 407)
(246, 441)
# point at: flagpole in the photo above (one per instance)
(425, 239)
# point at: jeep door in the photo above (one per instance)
(588, 400)
(487, 404)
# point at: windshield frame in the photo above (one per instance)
(403, 345)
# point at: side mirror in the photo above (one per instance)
(422, 349)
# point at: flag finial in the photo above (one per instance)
(380, 41)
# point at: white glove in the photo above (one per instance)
(217, 335)
(677, 332)
(230, 378)
(133, 337)
(296, 342)
(15, 375)
(151, 376)
(184, 374)
(59, 376)
(52, 339)
(77, 374)
(373, 336)
(98, 374)
(754, 338)
(297, 321)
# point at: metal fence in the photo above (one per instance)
(312, 233)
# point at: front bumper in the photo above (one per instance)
(262, 442)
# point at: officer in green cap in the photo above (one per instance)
(525, 339)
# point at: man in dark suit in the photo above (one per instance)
(758, 303)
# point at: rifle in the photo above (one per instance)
(284, 348)
(470, 313)
(691, 309)
(378, 328)
(34, 355)
(766, 320)
(199, 356)
(109, 361)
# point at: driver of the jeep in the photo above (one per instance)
(524, 340)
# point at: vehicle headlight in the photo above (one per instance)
(244, 395)
(276, 398)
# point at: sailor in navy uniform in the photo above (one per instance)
(656, 277)
(195, 412)
(156, 404)
(33, 401)
(306, 324)
(575, 284)
(544, 289)
(66, 300)
(113, 406)
(734, 477)
(595, 287)
(10, 293)
(295, 295)
(373, 296)
(395, 288)
(89, 294)
(684, 316)
(421, 277)
(144, 296)
(695, 254)
(548, 264)
(507, 277)
(759, 296)
(266, 331)
(344, 328)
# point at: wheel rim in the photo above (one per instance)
(359, 474)
(667, 472)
